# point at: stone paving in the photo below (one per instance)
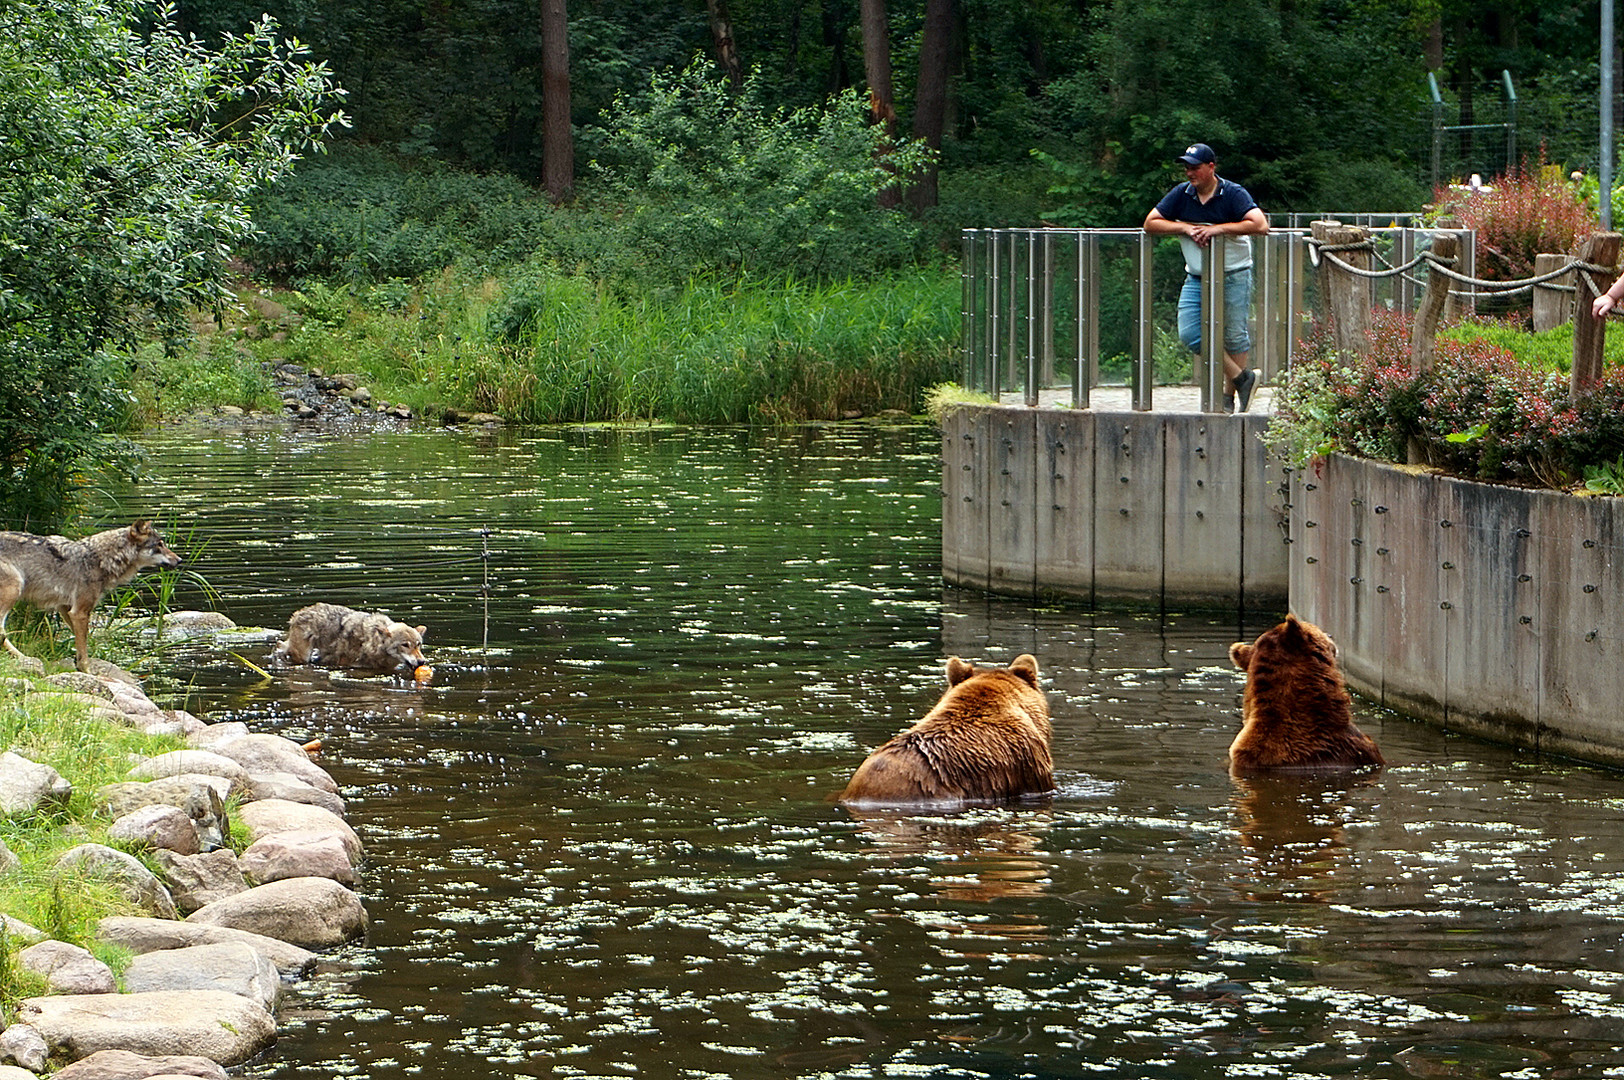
(1177, 399)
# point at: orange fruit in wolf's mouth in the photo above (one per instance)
(423, 673)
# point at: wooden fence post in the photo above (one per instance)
(1346, 296)
(1424, 332)
(1553, 303)
(1597, 249)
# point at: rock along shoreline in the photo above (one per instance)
(222, 934)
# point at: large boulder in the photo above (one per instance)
(192, 761)
(289, 787)
(312, 912)
(22, 1044)
(196, 880)
(223, 1027)
(153, 828)
(267, 817)
(123, 1065)
(275, 754)
(234, 967)
(141, 935)
(25, 785)
(210, 734)
(68, 969)
(297, 854)
(202, 797)
(123, 870)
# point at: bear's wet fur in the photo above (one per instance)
(985, 742)
(1296, 713)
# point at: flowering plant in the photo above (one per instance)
(1482, 412)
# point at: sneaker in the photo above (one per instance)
(1245, 383)
(1229, 403)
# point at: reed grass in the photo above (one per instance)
(541, 346)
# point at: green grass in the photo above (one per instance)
(540, 346)
(58, 730)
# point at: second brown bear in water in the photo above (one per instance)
(1296, 713)
(986, 741)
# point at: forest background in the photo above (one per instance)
(717, 211)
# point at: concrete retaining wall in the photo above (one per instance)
(1488, 609)
(1174, 510)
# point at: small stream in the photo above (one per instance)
(599, 843)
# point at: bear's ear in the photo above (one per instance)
(958, 671)
(1240, 654)
(1025, 667)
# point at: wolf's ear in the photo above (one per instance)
(958, 670)
(142, 527)
(422, 631)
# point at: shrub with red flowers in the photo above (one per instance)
(1481, 412)
(1529, 211)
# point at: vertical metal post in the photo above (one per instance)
(1293, 305)
(1209, 362)
(967, 327)
(994, 304)
(1080, 382)
(1605, 172)
(1046, 373)
(1144, 332)
(1265, 275)
(1438, 127)
(1511, 120)
(1093, 338)
(1012, 317)
(1406, 280)
(1033, 331)
(1468, 265)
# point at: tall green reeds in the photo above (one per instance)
(539, 345)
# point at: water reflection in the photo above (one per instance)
(1292, 831)
(601, 842)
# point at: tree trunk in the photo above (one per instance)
(881, 103)
(930, 100)
(727, 49)
(557, 138)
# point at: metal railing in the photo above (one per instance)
(1047, 309)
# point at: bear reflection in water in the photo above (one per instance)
(1292, 828)
(1296, 714)
(985, 742)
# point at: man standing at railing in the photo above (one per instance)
(1202, 207)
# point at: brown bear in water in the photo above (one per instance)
(1296, 713)
(986, 741)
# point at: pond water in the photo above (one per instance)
(599, 843)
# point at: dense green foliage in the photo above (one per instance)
(130, 157)
(1495, 406)
(1313, 106)
(540, 345)
(712, 181)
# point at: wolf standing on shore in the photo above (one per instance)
(71, 576)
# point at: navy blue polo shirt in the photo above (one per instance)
(1230, 203)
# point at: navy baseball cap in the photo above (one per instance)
(1198, 154)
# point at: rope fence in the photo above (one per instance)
(1318, 250)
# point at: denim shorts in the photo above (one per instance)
(1237, 311)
